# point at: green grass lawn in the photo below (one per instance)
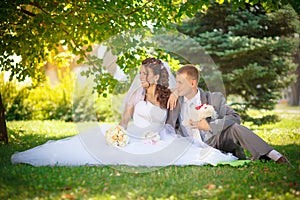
(256, 180)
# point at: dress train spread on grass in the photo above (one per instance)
(91, 148)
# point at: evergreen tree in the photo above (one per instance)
(253, 50)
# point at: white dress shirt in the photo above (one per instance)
(189, 104)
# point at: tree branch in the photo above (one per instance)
(28, 13)
(39, 7)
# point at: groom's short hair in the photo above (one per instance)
(189, 70)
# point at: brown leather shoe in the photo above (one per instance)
(283, 160)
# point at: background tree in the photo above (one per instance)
(253, 50)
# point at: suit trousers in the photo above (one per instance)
(236, 138)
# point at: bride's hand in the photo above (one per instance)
(172, 101)
(127, 115)
(123, 125)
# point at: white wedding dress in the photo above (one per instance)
(90, 147)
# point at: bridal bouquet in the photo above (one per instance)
(152, 137)
(117, 136)
(204, 111)
(201, 112)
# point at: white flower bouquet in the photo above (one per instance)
(201, 112)
(117, 136)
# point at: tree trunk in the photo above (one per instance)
(3, 130)
(295, 91)
(295, 87)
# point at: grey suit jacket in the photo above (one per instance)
(226, 115)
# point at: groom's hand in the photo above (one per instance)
(201, 125)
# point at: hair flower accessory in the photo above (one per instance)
(117, 136)
(152, 137)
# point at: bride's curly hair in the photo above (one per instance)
(162, 87)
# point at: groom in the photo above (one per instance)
(224, 133)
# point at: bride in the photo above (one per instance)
(146, 105)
